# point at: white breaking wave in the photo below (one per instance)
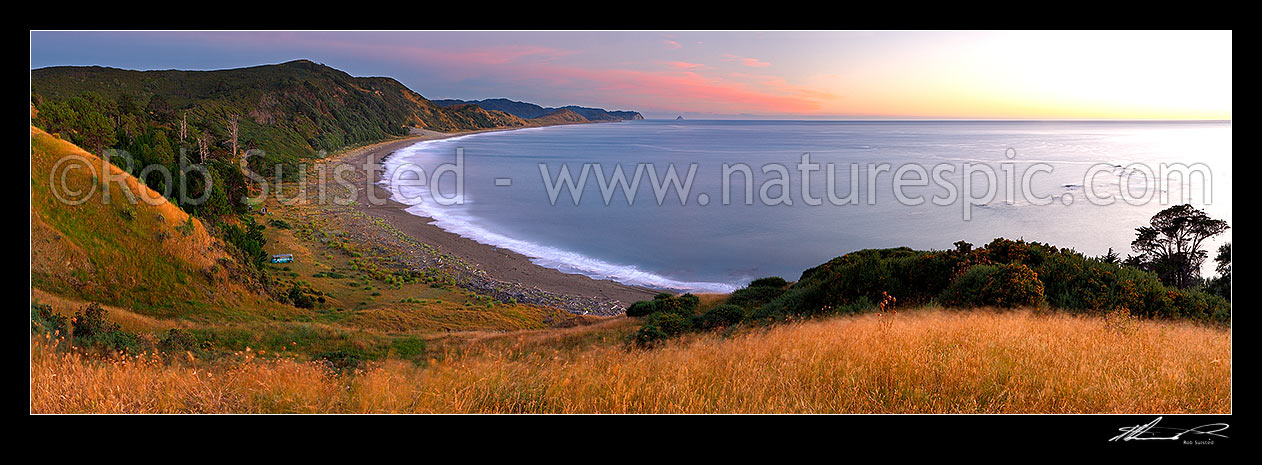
(456, 221)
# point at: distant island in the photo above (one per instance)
(677, 118)
(526, 110)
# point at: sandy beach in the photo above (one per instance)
(497, 263)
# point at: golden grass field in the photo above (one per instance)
(919, 361)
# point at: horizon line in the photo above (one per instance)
(905, 119)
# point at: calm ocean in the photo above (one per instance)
(721, 245)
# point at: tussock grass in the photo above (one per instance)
(928, 361)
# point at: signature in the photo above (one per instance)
(1151, 432)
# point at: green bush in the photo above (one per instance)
(304, 296)
(178, 340)
(248, 241)
(642, 308)
(754, 296)
(1005, 286)
(1196, 304)
(770, 281)
(93, 332)
(806, 298)
(344, 359)
(721, 316)
(45, 321)
(689, 301)
(649, 336)
(670, 323)
(90, 321)
(1004, 273)
(684, 305)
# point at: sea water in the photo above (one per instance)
(509, 196)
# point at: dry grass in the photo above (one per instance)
(152, 258)
(127, 320)
(924, 362)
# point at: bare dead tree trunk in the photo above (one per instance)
(232, 131)
(203, 148)
(184, 127)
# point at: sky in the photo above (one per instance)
(734, 74)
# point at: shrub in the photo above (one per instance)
(642, 308)
(1006, 286)
(860, 305)
(689, 301)
(177, 339)
(304, 296)
(648, 336)
(90, 321)
(771, 281)
(1196, 304)
(45, 320)
(248, 241)
(767, 314)
(93, 332)
(670, 323)
(803, 299)
(684, 305)
(343, 359)
(754, 296)
(721, 316)
(185, 228)
(1003, 273)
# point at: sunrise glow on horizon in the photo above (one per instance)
(1177, 75)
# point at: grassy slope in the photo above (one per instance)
(134, 259)
(923, 361)
(131, 255)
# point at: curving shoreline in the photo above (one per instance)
(499, 272)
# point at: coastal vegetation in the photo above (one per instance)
(1002, 274)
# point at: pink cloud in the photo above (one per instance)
(750, 62)
(672, 44)
(684, 65)
(682, 86)
(682, 90)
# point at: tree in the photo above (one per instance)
(203, 148)
(159, 108)
(1171, 245)
(1224, 260)
(1222, 284)
(232, 136)
(1110, 257)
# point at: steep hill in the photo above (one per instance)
(512, 107)
(531, 111)
(562, 116)
(290, 110)
(600, 114)
(147, 255)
